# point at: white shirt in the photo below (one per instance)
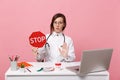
(52, 53)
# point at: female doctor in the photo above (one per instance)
(58, 46)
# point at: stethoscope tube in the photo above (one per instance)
(49, 37)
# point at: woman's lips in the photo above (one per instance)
(57, 28)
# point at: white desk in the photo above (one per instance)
(64, 74)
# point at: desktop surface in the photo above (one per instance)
(68, 74)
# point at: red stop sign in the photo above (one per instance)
(37, 39)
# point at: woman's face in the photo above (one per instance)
(58, 24)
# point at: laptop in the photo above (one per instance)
(94, 61)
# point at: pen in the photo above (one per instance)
(16, 58)
(28, 69)
(10, 58)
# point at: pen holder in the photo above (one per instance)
(14, 66)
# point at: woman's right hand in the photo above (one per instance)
(39, 53)
(35, 50)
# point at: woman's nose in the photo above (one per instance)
(57, 25)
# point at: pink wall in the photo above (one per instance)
(92, 24)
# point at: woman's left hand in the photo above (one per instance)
(64, 50)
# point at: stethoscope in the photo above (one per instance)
(47, 44)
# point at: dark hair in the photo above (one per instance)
(54, 18)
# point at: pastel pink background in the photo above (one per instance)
(92, 24)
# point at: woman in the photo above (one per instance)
(58, 47)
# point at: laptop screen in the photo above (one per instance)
(95, 60)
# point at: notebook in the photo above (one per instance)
(94, 61)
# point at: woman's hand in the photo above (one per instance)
(38, 56)
(64, 50)
(35, 50)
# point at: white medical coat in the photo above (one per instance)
(52, 53)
